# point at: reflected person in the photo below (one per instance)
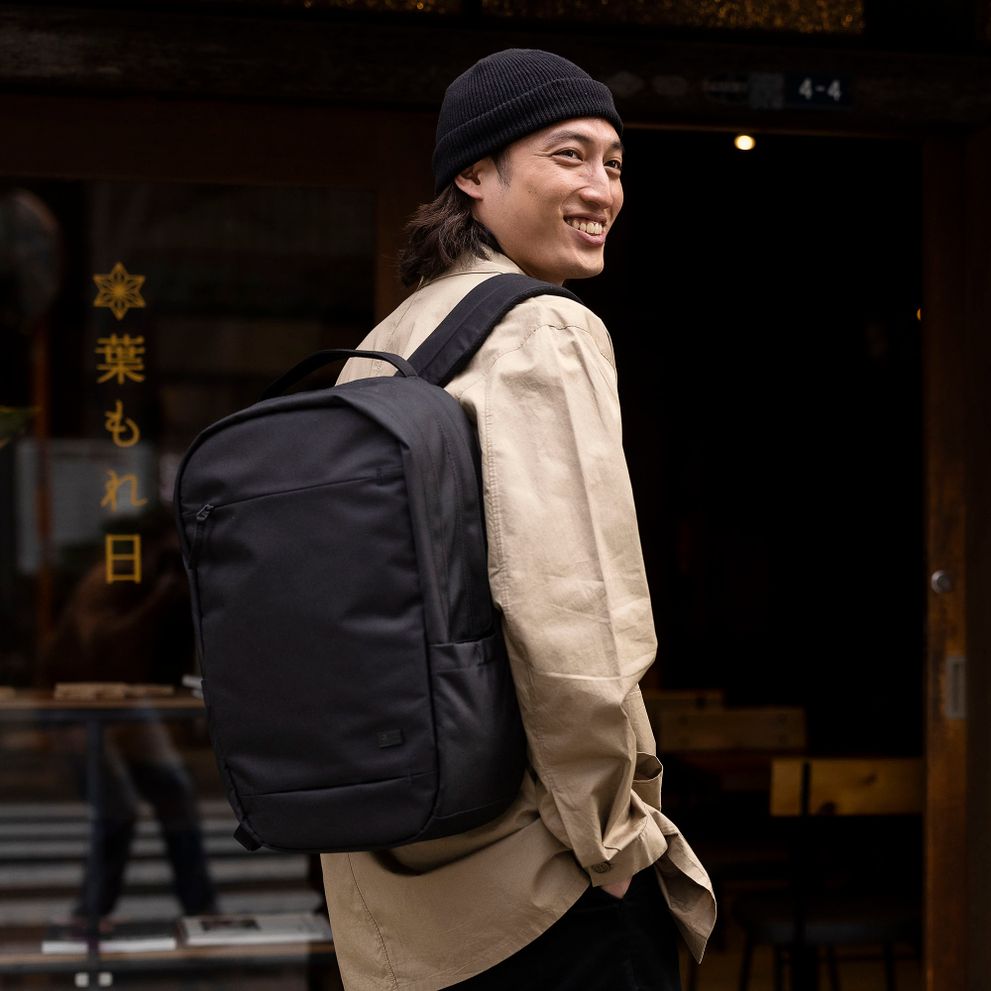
(136, 632)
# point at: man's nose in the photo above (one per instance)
(599, 186)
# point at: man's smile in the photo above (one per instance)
(585, 226)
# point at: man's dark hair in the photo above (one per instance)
(438, 234)
(443, 231)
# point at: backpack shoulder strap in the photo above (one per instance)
(463, 331)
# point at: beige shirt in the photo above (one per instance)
(567, 573)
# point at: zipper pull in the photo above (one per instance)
(201, 517)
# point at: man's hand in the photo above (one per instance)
(618, 888)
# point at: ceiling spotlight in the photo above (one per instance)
(744, 142)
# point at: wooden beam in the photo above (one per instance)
(403, 64)
(202, 141)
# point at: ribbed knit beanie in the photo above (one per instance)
(506, 96)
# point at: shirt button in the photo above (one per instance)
(602, 868)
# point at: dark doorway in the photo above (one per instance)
(764, 309)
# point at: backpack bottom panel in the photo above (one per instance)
(364, 816)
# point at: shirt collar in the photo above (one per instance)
(493, 263)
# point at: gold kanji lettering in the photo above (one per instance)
(113, 486)
(123, 557)
(122, 358)
(123, 429)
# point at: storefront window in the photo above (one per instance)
(132, 315)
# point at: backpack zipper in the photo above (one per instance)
(201, 517)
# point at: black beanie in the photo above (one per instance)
(506, 96)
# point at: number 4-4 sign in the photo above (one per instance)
(834, 90)
(813, 90)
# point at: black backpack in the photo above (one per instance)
(355, 679)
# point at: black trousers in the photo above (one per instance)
(600, 944)
(167, 787)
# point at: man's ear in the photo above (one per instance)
(469, 180)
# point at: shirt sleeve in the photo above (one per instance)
(567, 573)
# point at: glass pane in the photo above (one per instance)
(132, 315)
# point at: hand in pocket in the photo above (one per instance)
(617, 889)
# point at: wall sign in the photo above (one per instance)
(123, 362)
(780, 90)
(818, 89)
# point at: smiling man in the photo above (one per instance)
(582, 884)
(552, 198)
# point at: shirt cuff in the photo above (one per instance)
(648, 847)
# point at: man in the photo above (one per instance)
(580, 883)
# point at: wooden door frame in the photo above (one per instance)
(957, 370)
(944, 440)
(977, 391)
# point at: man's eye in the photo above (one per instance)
(615, 163)
(569, 153)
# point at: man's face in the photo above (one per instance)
(550, 185)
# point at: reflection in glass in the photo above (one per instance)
(99, 398)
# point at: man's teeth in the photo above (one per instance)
(588, 226)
